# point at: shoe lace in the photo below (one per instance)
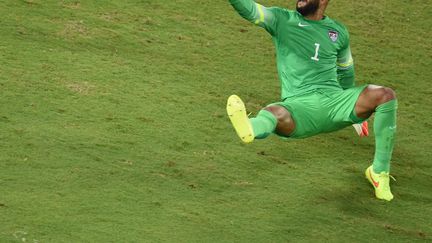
(384, 178)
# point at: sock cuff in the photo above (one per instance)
(388, 106)
(267, 114)
(263, 124)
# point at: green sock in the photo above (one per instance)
(263, 124)
(384, 129)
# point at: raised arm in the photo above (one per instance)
(256, 13)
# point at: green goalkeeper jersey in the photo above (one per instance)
(310, 54)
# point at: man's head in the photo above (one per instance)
(310, 7)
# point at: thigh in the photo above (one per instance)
(340, 108)
(308, 114)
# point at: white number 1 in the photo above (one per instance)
(315, 58)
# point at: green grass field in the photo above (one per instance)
(113, 127)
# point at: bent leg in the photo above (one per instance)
(372, 97)
(382, 101)
(271, 119)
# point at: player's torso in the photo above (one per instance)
(309, 42)
(307, 53)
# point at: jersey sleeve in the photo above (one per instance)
(345, 65)
(257, 14)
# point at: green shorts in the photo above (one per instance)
(322, 111)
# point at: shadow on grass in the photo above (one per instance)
(357, 203)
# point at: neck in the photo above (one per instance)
(318, 15)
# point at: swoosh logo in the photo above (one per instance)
(375, 183)
(302, 25)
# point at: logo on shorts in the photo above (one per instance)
(333, 34)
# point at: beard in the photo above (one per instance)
(309, 8)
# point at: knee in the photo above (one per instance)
(388, 94)
(383, 95)
(281, 113)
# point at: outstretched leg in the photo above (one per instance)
(382, 101)
(269, 120)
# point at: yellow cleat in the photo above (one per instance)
(381, 183)
(237, 114)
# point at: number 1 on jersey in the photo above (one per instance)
(315, 58)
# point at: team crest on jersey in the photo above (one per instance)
(333, 34)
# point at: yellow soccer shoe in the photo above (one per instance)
(237, 114)
(381, 183)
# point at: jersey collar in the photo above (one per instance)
(324, 20)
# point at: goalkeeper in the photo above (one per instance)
(318, 92)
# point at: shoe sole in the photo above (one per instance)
(237, 114)
(365, 129)
(362, 129)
